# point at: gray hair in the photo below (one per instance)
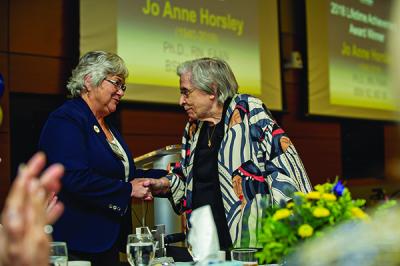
(209, 72)
(96, 64)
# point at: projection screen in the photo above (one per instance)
(154, 36)
(348, 59)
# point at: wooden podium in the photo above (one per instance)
(162, 209)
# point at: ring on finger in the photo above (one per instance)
(48, 229)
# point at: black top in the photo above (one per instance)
(206, 187)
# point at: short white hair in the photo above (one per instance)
(207, 73)
(96, 64)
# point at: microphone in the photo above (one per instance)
(174, 238)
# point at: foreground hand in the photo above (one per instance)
(51, 205)
(23, 241)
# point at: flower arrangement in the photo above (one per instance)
(306, 217)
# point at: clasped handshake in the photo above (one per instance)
(146, 188)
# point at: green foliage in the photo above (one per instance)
(306, 216)
(382, 208)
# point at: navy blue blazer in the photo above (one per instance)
(94, 191)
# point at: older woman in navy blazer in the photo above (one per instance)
(99, 179)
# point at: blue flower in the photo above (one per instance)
(338, 189)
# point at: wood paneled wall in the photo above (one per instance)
(39, 44)
(150, 128)
(4, 104)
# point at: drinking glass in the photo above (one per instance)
(245, 255)
(140, 249)
(58, 254)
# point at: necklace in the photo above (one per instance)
(208, 135)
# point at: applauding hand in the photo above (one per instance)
(23, 240)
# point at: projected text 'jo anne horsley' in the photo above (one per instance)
(202, 16)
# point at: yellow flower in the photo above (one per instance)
(281, 214)
(299, 193)
(329, 196)
(358, 213)
(290, 205)
(313, 195)
(321, 212)
(305, 230)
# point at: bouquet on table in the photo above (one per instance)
(306, 217)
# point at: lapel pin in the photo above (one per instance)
(96, 129)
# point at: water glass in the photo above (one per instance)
(58, 254)
(140, 249)
(245, 255)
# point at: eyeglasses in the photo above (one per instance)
(119, 85)
(185, 92)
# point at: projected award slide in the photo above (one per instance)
(358, 61)
(347, 59)
(155, 36)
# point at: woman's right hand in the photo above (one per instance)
(159, 186)
(141, 188)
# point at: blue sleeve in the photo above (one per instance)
(66, 141)
(150, 173)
